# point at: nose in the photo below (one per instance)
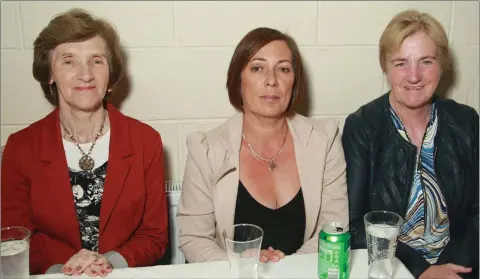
(414, 75)
(271, 79)
(85, 73)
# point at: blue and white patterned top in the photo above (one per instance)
(426, 227)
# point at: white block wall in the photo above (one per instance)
(179, 52)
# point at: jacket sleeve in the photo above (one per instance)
(150, 239)
(334, 189)
(196, 213)
(355, 145)
(463, 249)
(16, 203)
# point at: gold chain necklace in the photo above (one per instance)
(86, 163)
(272, 165)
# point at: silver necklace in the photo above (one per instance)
(86, 163)
(272, 165)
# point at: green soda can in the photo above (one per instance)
(333, 252)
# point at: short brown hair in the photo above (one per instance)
(75, 25)
(251, 43)
(407, 23)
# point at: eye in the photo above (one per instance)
(256, 69)
(285, 70)
(399, 64)
(67, 62)
(427, 62)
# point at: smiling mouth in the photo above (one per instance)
(414, 88)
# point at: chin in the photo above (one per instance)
(88, 106)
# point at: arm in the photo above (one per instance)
(463, 249)
(150, 239)
(334, 205)
(16, 204)
(196, 213)
(355, 145)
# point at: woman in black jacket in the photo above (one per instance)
(415, 154)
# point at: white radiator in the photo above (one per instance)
(173, 195)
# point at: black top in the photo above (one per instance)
(283, 228)
(87, 190)
(380, 164)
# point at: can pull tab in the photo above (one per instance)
(338, 229)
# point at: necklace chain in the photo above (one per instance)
(86, 163)
(271, 162)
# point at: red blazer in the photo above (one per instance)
(37, 194)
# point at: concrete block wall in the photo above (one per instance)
(179, 52)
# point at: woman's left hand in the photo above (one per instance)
(89, 262)
(271, 255)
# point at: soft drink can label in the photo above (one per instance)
(333, 252)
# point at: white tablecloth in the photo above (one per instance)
(297, 266)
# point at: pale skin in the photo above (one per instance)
(414, 73)
(80, 70)
(267, 83)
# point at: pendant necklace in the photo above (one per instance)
(86, 162)
(272, 165)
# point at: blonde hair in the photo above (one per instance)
(407, 23)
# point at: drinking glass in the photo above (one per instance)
(243, 243)
(382, 229)
(15, 252)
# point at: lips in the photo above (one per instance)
(270, 97)
(84, 88)
(414, 88)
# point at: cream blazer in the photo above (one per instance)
(211, 179)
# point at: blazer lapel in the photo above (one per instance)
(118, 166)
(309, 164)
(55, 171)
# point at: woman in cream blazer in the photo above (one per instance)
(212, 174)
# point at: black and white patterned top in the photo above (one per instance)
(87, 188)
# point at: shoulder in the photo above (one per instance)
(457, 115)
(320, 127)
(204, 141)
(137, 130)
(27, 136)
(369, 117)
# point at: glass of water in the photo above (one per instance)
(243, 243)
(15, 252)
(382, 229)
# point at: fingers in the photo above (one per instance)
(79, 262)
(459, 268)
(99, 270)
(90, 272)
(453, 276)
(264, 256)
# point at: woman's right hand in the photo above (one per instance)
(271, 255)
(444, 271)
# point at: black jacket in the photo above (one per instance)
(380, 165)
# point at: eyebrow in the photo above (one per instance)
(422, 58)
(93, 55)
(264, 60)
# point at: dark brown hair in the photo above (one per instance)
(75, 25)
(247, 48)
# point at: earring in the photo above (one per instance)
(109, 90)
(50, 87)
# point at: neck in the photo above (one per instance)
(262, 130)
(84, 126)
(416, 118)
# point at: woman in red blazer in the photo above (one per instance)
(86, 180)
